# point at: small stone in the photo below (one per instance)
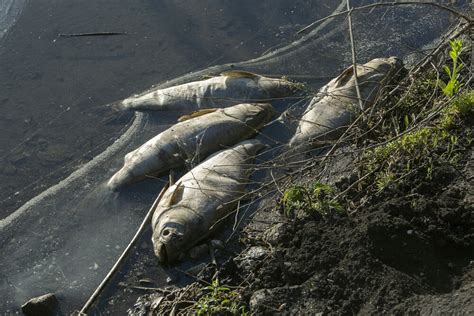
(274, 233)
(255, 253)
(44, 305)
(410, 231)
(251, 256)
(258, 299)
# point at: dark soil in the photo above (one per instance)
(404, 252)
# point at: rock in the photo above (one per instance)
(274, 233)
(255, 253)
(44, 305)
(258, 298)
(251, 256)
(198, 251)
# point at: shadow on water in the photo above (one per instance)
(66, 239)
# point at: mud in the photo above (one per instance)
(402, 253)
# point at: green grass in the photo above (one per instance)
(436, 142)
(453, 85)
(219, 300)
(317, 199)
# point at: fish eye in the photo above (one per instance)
(166, 232)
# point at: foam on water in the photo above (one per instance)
(9, 12)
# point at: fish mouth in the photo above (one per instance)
(161, 253)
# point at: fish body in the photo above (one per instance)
(194, 138)
(198, 200)
(230, 88)
(330, 113)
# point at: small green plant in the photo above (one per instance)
(318, 198)
(453, 85)
(323, 199)
(461, 107)
(423, 147)
(384, 179)
(294, 198)
(220, 300)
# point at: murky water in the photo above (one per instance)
(65, 238)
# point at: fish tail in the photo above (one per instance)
(117, 106)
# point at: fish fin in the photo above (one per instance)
(173, 176)
(239, 74)
(344, 76)
(117, 106)
(195, 114)
(176, 195)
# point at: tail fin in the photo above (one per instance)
(117, 106)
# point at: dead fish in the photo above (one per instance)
(331, 112)
(197, 137)
(203, 196)
(230, 88)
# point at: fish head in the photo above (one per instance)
(387, 67)
(371, 76)
(175, 232)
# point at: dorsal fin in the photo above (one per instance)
(343, 77)
(195, 114)
(176, 195)
(239, 74)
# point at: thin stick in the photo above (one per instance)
(91, 34)
(115, 267)
(353, 50)
(374, 5)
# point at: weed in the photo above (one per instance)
(384, 179)
(453, 85)
(462, 107)
(294, 198)
(317, 199)
(220, 300)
